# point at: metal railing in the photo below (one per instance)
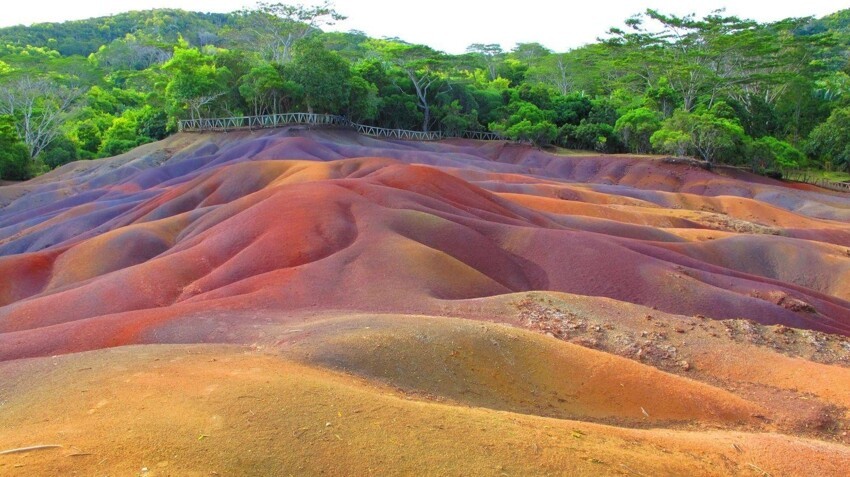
(277, 120)
(798, 176)
(397, 133)
(257, 122)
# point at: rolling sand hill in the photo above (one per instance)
(304, 302)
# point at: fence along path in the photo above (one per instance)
(802, 176)
(278, 120)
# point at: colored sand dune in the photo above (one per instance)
(600, 315)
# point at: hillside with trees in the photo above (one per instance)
(584, 278)
(770, 96)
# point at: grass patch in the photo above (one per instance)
(834, 176)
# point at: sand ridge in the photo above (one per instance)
(210, 302)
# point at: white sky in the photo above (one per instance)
(451, 25)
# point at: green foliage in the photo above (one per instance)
(14, 157)
(571, 108)
(671, 141)
(455, 120)
(263, 88)
(60, 152)
(540, 133)
(490, 105)
(324, 76)
(512, 70)
(150, 123)
(87, 137)
(830, 141)
(363, 102)
(133, 128)
(195, 81)
(273, 29)
(530, 53)
(603, 111)
(83, 37)
(663, 97)
(120, 137)
(768, 153)
(589, 135)
(674, 85)
(130, 53)
(414, 70)
(5, 68)
(636, 127)
(528, 123)
(711, 137)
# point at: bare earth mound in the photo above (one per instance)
(302, 302)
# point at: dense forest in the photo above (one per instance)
(771, 96)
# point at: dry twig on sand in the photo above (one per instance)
(30, 448)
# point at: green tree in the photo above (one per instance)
(571, 108)
(768, 153)
(830, 141)
(263, 88)
(363, 102)
(455, 121)
(151, 122)
(557, 71)
(489, 54)
(420, 65)
(530, 53)
(275, 28)
(61, 151)
(14, 156)
(129, 53)
(588, 135)
(528, 123)
(637, 127)
(671, 141)
(88, 138)
(195, 81)
(712, 138)
(5, 68)
(324, 76)
(39, 107)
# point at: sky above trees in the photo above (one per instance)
(451, 25)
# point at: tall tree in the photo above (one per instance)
(39, 107)
(420, 64)
(830, 141)
(556, 70)
(14, 156)
(530, 53)
(274, 28)
(262, 87)
(195, 80)
(325, 77)
(490, 53)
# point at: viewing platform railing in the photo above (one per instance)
(278, 120)
(803, 176)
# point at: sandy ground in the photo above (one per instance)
(312, 302)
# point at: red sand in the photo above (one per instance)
(238, 236)
(372, 234)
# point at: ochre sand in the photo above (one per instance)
(307, 301)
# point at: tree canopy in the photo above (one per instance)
(771, 96)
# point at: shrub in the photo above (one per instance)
(61, 151)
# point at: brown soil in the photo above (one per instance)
(313, 302)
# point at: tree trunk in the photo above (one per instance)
(426, 117)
